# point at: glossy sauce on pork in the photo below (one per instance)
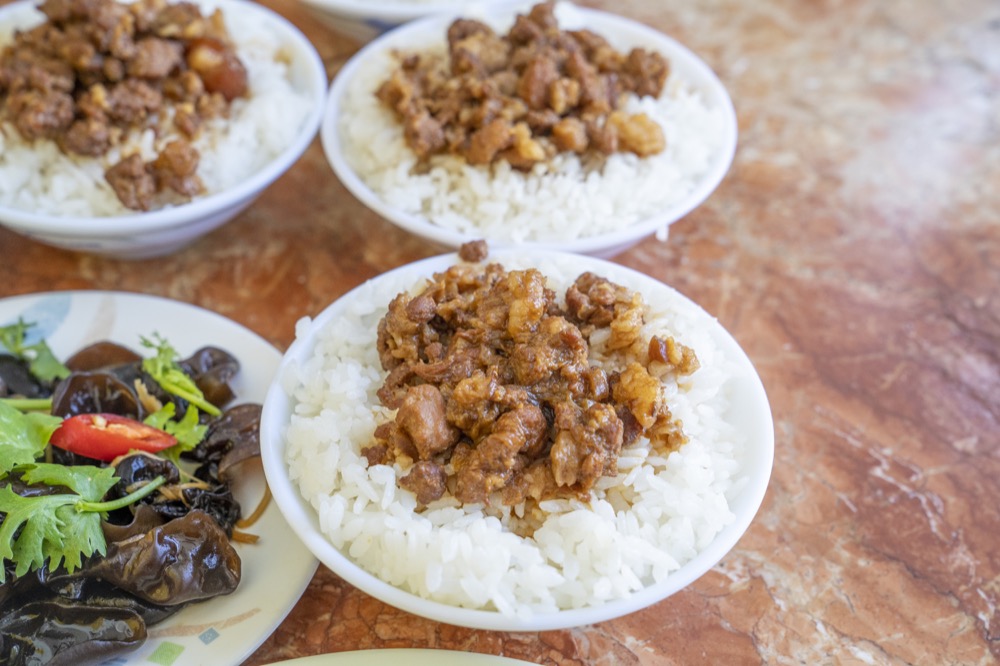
(498, 395)
(525, 95)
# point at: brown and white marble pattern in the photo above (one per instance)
(853, 250)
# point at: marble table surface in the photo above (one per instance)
(854, 252)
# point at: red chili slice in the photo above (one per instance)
(107, 436)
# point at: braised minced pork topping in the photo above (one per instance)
(497, 393)
(96, 69)
(525, 96)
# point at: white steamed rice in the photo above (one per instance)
(639, 526)
(558, 201)
(37, 177)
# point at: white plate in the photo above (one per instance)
(411, 657)
(277, 569)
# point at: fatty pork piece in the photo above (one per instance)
(494, 461)
(139, 185)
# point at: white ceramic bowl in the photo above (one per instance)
(155, 233)
(365, 20)
(748, 412)
(623, 33)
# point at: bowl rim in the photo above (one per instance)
(303, 518)
(388, 11)
(706, 80)
(193, 212)
(396, 11)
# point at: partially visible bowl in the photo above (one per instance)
(365, 147)
(136, 235)
(312, 449)
(364, 21)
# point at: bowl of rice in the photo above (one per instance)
(240, 145)
(569, 200)
(652, 522)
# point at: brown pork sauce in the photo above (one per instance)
(497, 395)
(525, 96)
(97, 69)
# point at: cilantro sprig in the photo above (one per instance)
(164, 368)
(23, 436)
(64, 528)
(42, 363)
(188, 431)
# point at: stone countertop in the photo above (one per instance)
(854, 252)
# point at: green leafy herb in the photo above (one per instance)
(87, 481)
(62, 528)
(42, 535)
(188, 431)
(29, 404)
(168, 374)
(42, 363)
(23, 436)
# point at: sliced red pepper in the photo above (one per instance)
(107, 436)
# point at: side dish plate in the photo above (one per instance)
(277, 569)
